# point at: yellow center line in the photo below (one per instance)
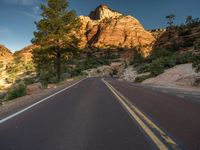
(130, 107)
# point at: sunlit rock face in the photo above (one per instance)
(107, 28)
(102, 12)
(25, 53)
(5, 54)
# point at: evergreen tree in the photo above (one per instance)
(55, 35)
(189, 20)
(170, 19)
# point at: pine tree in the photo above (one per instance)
(189, 20)
(170, 19)
(55, 35)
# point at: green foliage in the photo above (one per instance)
(1, 64)
(16, 67)
(29, 80)
(94, 62)
(185, 32)
(157, 67)
(98, 71)
(197, 45)
(138, 58)
(161, 59)
(189, 20)
(142, 78)
(170, 19)
(88, 63)
(196, 63)
(197, 82)
(54, 34)
(18, 91)
(114, 72)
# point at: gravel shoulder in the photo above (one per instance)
(15, 105)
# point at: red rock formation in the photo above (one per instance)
(25, 53)
(106, 28)
(5, 54)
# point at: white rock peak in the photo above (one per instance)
(102, 12)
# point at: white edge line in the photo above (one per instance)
(31, 106)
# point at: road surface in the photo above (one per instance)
(97, 114)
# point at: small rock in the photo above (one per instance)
(33, 88)
(50, 86)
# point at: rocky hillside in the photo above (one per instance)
(105, 28)
(25, 53)
(5, 54)
(184, 38)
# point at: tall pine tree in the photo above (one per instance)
(55, 35)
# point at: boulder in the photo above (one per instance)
(34, 88)
(51, 86)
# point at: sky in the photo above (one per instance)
(17, 16)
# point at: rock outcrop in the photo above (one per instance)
(25, 53)
(5, 54)
(182, 75)
(105, 28)
(102, 12)
(183, 38)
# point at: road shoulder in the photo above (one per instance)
(10, 107)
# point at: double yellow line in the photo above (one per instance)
(161, 139)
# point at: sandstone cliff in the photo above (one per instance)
(105, 28)
(5, 54)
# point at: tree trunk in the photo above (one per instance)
(58, 67)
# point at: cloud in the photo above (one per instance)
(32, 15)
(36, 10)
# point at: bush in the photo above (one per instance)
(197, 45)
(197, 82)
(161, 59)
(114, 72)
(157, 67)
(17, 91)
(196, 64)
(29, 81)
(142, 78)
(1, 64)
(89, 63)
(138, 58)
(158, 53)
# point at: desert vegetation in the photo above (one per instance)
(171, 55)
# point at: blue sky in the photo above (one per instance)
(17, 16)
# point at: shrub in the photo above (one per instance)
(115, 72)
(98, 71)
(157, 53)
(142, 78)
(29, 81)
(197, 45)
(138, 58)
(197, 82)
(143, 68)
(185, 32)
(196, 64)
(157, 67)
(1, 64)
(18, 91)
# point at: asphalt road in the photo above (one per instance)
(94, 115)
